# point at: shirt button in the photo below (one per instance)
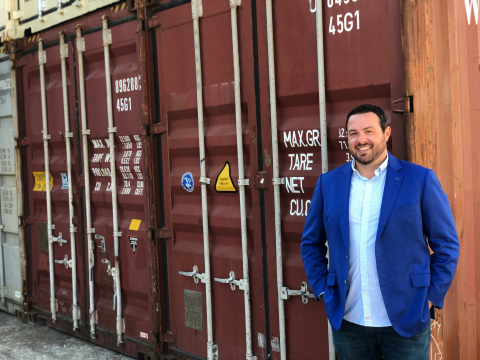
(365, 293)
(364, 223)
(347, 257)
(363, 270)
(363, 247)
(345, 281)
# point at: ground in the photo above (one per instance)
(27, 342)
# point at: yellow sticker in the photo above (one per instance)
(135, 224)
(40, 181)
(224, 182)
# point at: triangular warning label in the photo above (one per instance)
(224, 181)
(133, 243)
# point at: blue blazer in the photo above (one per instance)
(415, 212)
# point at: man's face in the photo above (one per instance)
(366, 140)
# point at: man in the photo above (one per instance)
(379, 216)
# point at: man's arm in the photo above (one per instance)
(439, 226)
(313, 246)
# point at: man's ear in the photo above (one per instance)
(387, 133)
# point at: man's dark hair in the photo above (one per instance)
(366, 108)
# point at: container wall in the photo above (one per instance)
(442, 63)
(35, 16)
(135, 288)
(9, 238)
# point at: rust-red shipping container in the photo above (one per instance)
(169, 259)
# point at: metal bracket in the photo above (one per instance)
(197, 9)
(196, 276)
(86, 132)
(407, 105)
(112, 130)
(65, 261)
(117, 234)
(243, 182)
(46, 137)
(107, 37)
(90, 230)
(42, 58)
(80, 45)
(204, 180)
(235, 3)
(2, 227)
(303, 292)
(73, 229)
(102, 241)
(278, 181)
(233, 283)
(77, 4)
(63, 51)
(69, 135)
(163, 233)
(58, 239)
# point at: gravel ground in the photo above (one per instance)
(39, 342)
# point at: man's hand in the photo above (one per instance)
(430, 305)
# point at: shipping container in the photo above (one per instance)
(196, 134)
(12, 251)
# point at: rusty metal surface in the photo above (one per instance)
(441, 52)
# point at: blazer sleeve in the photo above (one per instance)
(313, 246)
(439, 227)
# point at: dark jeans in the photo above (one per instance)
(356, 342)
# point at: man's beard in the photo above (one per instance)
(377, 151)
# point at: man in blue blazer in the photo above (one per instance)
(379, 216)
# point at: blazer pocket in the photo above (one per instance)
(406, 209)
(420, 280)
(330, 279)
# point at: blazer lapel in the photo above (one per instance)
(392, 185)
(343, 196)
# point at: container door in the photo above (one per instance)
(130, 156)
(11, 271)
(186, 299)
(58, 183)
(363, 64)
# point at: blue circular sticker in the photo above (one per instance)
(187, 181)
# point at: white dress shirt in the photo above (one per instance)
(364, 304)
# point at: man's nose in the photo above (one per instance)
(361, 139)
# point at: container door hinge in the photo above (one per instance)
(167, 337)
(407, 105)
(163, 233)
(22, 142)
(159, 128)
(154, 22)
(26, 220)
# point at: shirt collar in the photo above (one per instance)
(378, 172)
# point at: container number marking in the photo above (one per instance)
(338, 2)
(124, 104)
(128, 84)
(344, 24)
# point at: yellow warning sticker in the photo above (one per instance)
(40, 181)
(135, 224)
(224, 182)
